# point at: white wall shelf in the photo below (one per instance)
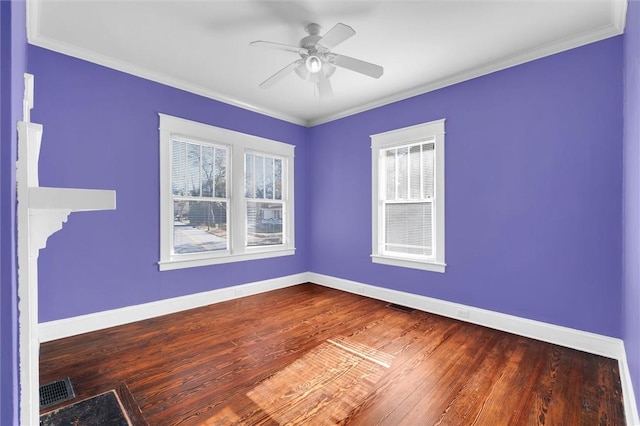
(77, 200)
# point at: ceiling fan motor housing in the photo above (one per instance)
(313, 28)
(309, 43)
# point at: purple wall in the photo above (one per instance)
(534, 187)
(12, 67)
(631, 195)
(534, 190)
(101, 131)
(533, 182)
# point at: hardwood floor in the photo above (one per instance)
(312, 355)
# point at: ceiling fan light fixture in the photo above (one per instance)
(328, 69)
(302, 71)
(313, 64)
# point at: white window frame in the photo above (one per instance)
(433, 130)
(237, 144)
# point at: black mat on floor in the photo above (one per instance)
(104, 409)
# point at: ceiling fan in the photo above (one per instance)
(317, 63)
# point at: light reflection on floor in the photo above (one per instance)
(322, 387)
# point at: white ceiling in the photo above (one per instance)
(203, 46)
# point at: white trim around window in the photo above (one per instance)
(408, 197)
(237, 238)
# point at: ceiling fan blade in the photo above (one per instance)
(324, 87)
(280, 74)
(335, 36)
(353, 64)
(279, 46)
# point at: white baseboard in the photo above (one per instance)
(571, 338)
(563, 336)
(67, 327)
(576, 339)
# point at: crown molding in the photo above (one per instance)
(616, 27)
(35, 38)
(166, 80)
(619, 14)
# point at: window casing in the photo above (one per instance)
(225, 196)
(408, 197)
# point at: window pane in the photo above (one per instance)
(402, 173)
(207, 171)
(199, 226)
(428, 154)
(264, 224)
(249, 176)
(277, 173)
(259, 175)
(414, 173)
(268, 178)
(178, 168)
(390, 167)
(408, 228)
(220, 172)
(193, 170)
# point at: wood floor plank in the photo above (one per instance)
(467, 404)
(610, 407)
(271, 350)
(506, 401)
(408, 372)
(317, 356)
(430, 402)
(427, 380)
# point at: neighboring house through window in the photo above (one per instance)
(225, 196)
(408, 197)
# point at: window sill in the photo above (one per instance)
(181, 263)
(407, 263)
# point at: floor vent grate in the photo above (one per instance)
(400, 308)
(56, 392)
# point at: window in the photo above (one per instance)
(199, 196)
(263, 192)
(408, 197)
(225, 196)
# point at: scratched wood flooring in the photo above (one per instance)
(312, 355)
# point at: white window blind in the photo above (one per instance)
(408, 199)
